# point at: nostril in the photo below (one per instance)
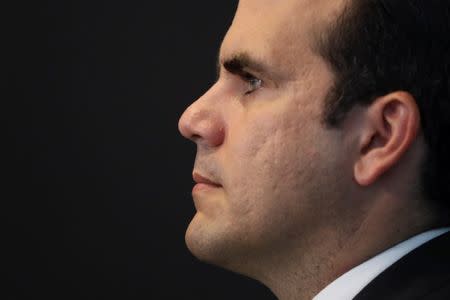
(195, 137)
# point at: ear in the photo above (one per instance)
(390, 126)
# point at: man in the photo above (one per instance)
(321, 163)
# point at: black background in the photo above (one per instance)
(97, 179)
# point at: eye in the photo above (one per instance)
(253, 83)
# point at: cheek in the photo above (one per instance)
(266, 163)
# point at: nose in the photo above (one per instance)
(202, 123)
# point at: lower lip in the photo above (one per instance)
(204, 187)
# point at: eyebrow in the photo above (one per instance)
(238, 63)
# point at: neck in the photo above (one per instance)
(304, 272)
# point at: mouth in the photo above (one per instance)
(203, 183)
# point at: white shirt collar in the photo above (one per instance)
(351, 283)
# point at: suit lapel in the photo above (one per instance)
(416, 275)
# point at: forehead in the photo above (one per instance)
(279, 31)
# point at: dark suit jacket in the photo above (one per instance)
(424, 273)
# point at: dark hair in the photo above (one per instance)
(378, 46)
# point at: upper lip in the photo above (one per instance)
(201, 179)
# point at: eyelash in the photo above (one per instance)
(253, 82)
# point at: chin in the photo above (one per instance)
(221, 246)
(222, 251)
(199, 243)
(210, 245)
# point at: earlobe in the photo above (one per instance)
(389, 129)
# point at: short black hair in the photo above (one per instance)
(379, 46)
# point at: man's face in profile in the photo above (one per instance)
(261, 140)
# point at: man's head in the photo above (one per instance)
(300, 173)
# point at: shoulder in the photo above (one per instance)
(424, 273)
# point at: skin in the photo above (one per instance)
(299, 203)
